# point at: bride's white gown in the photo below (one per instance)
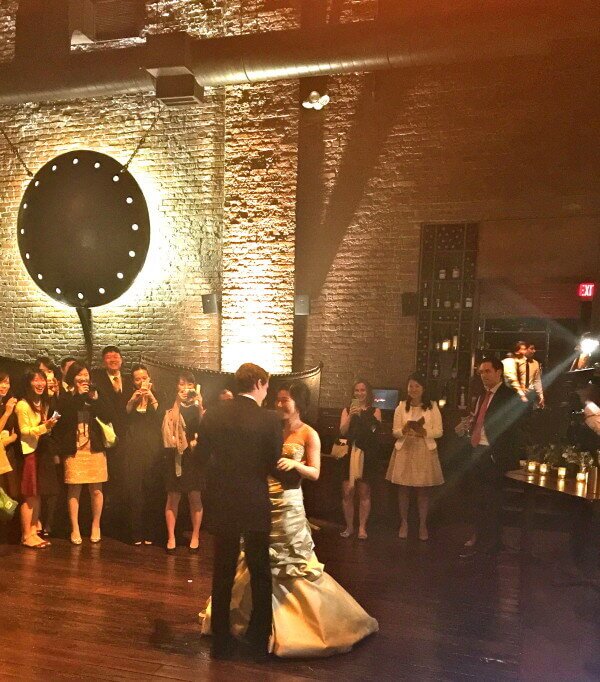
(312, 614)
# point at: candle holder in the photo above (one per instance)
(544, 468)
(581, 477)
(562, 473)
(532, 467)
(560, 484)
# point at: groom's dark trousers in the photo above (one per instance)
(227, 550)
(239, 445)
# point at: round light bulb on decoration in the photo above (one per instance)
(54, 167)
(24, 206)
(101, 290)
(135, 227)
(119, 275)
(22, 231)
(27, 256)
(115, 178)
(58, 291)
(40, 276)
(129, 200)
(97, 164)
(36, 183)
(80, 296)
(75, 161)
(132, 254)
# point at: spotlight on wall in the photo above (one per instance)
(210, 304)
(302, 304)
(316, 101)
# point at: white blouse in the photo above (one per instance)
(433, 423)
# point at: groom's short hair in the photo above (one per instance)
(248, 375)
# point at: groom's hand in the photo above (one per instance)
(285, 464)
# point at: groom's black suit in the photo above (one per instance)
(239, 445)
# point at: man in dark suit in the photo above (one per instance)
(495, 442)
(239, 445)
(116, 388)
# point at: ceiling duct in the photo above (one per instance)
(347, 48)
(109, 19)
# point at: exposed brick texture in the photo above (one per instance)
(498, 143)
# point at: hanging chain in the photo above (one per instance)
(15, 151)
(144, 137)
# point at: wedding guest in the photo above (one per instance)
(9, 479)
(65, 363)
(34, 426)
(80, 441)
(143, 446)
(515, 370)
(115, 387)
(414, 462)
(49, 462)
(225, 394)
(180, 433)
(359, 423)
(533, 377)
(495, 440)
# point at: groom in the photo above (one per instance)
(239, 445)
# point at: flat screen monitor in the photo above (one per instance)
(385, 398)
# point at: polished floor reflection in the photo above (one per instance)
(114, 612)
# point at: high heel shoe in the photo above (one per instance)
(75, 539)
(346, 533)
(403, 532)
(95, 538)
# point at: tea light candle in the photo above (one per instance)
(523, 463)
(562, 472)
(581, 476)
(560, 484)
(531, 467)
(543, 468)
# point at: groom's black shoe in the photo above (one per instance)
(223, 650)
(259, 653)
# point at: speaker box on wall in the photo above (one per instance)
(210, 304)
(302, 304)
(409, 303)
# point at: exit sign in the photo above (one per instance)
(586, 291)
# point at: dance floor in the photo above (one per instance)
(114, 612)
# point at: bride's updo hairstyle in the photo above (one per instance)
(300, 394)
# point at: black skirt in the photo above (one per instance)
(190, 478)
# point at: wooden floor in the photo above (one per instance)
(115, 612)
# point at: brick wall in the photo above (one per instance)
(510, 141)
(499, 143)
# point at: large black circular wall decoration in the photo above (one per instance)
(83, 229)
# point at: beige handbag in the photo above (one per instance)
(339, 448)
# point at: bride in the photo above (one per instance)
(312, 614)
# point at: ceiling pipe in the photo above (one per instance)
(346, 48)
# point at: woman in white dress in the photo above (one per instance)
(414, 462)
(312, 614)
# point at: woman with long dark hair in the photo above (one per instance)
(359, 423)
(414, 462)
(80, 442)
(34, 427)
(180, 433)
(143, 448)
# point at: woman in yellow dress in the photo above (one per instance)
(312, 614)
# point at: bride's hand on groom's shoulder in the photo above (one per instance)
(285, 464)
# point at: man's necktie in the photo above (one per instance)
(478, 428)
(117, 384)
